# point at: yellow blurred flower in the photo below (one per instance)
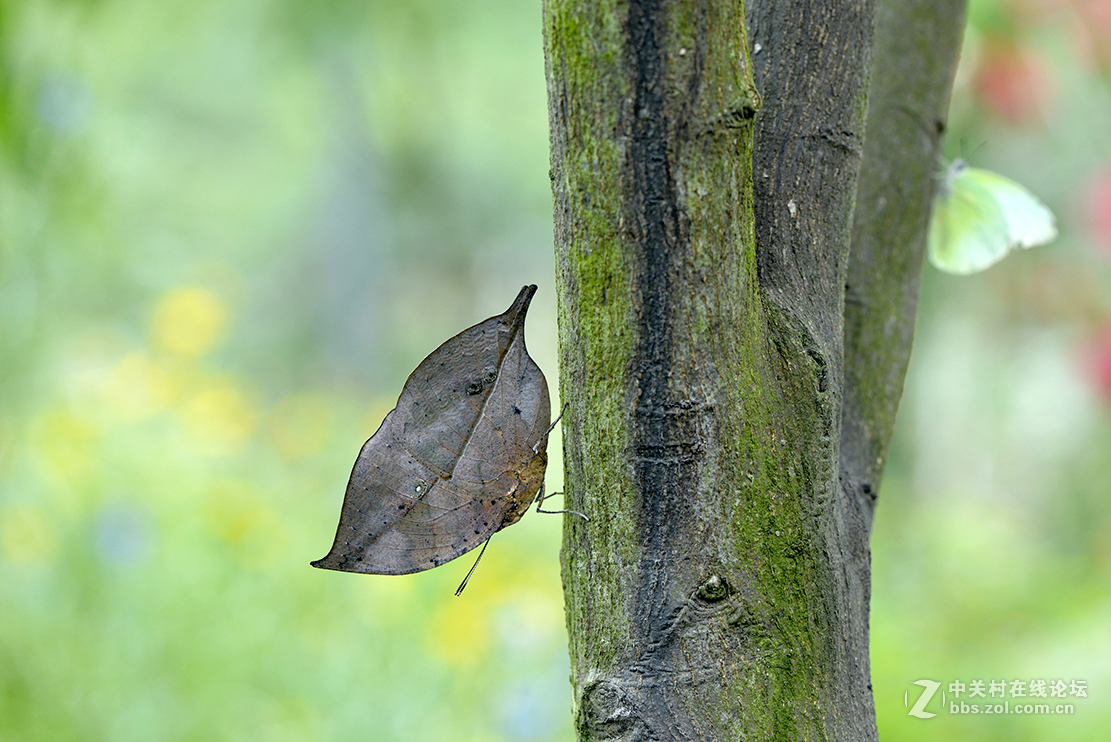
(459, 632)
(220, 416)
(67, 445)
(188, 322)
(232, 509)
(139, 386)
(235, 512)
(302, 425)
(385, 599)
(530, 619)
(26, 534)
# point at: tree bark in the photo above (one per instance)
(720, 588)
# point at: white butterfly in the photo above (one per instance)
(979, 216)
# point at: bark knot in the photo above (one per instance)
(713, 589)
(606, 712)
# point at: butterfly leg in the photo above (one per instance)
(540, 501)
(551, 427)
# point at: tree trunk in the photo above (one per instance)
(720, 589)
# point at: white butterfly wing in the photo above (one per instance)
(979, 216)
(1029, 222)
(968, 231)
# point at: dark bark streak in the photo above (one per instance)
(665, 440)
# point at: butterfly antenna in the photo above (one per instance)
(467, 579)
(556, 512)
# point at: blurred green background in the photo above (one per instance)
(229, 230)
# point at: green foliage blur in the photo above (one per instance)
(229, 230)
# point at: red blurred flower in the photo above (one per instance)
(1099, 209)
(1101, 363)
(1094, 30)
(1011, 82)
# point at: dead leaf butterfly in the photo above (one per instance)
(460, 457)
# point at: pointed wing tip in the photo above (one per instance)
(517, 310)
(524, 297)
(330, 561)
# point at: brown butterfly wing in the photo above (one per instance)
(455, 460)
